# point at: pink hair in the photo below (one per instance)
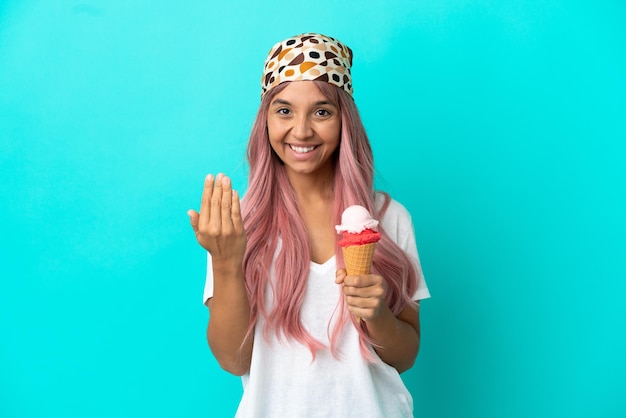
(270, 208)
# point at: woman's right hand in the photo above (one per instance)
(219, 226)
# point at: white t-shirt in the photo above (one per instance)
(283, 381)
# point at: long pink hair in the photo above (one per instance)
(268, 213)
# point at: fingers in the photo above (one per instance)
(362, 281)
(220, 208)
(374, 291)
(193, 219)
(205, 204)
(226, 206)
(219, 225)
(340, 276)
(215, 207)
(364, 294)
(236, 213)
(365, 311)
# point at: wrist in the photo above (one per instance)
(227, 267)
(382, 321)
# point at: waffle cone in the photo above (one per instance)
(358, 258)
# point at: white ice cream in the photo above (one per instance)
(356, 219)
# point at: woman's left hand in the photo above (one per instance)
(364, 293)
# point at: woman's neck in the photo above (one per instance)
(315, 196)
(312, 187)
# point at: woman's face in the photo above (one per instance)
(304, 128)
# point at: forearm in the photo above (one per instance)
(229, 321)
(396, 339)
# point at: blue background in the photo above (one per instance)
(500, 125)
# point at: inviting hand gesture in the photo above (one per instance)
(218, 226)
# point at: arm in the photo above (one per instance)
(219, 229)
(396, 339)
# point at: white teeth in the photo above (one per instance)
(302, 150)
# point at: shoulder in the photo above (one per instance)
(390, 210)
(394, 218)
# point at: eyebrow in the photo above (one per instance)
(319, 103)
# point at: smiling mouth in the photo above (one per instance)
(302, 150)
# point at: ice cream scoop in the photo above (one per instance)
(355, 219)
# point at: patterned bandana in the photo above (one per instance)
(310, 56)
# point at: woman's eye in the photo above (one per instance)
(323, 112)
(283, 111)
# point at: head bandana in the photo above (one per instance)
(309, 56)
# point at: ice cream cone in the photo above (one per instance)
(358, 242)
(358, 258)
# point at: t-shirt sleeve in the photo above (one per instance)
(398, 224)
(208, 284)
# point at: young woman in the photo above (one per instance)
(307, 339)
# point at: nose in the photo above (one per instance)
(302, 127)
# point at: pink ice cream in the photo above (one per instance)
(358, 227)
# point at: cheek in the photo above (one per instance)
(334, 136)
(275, 142)
(273, 132)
